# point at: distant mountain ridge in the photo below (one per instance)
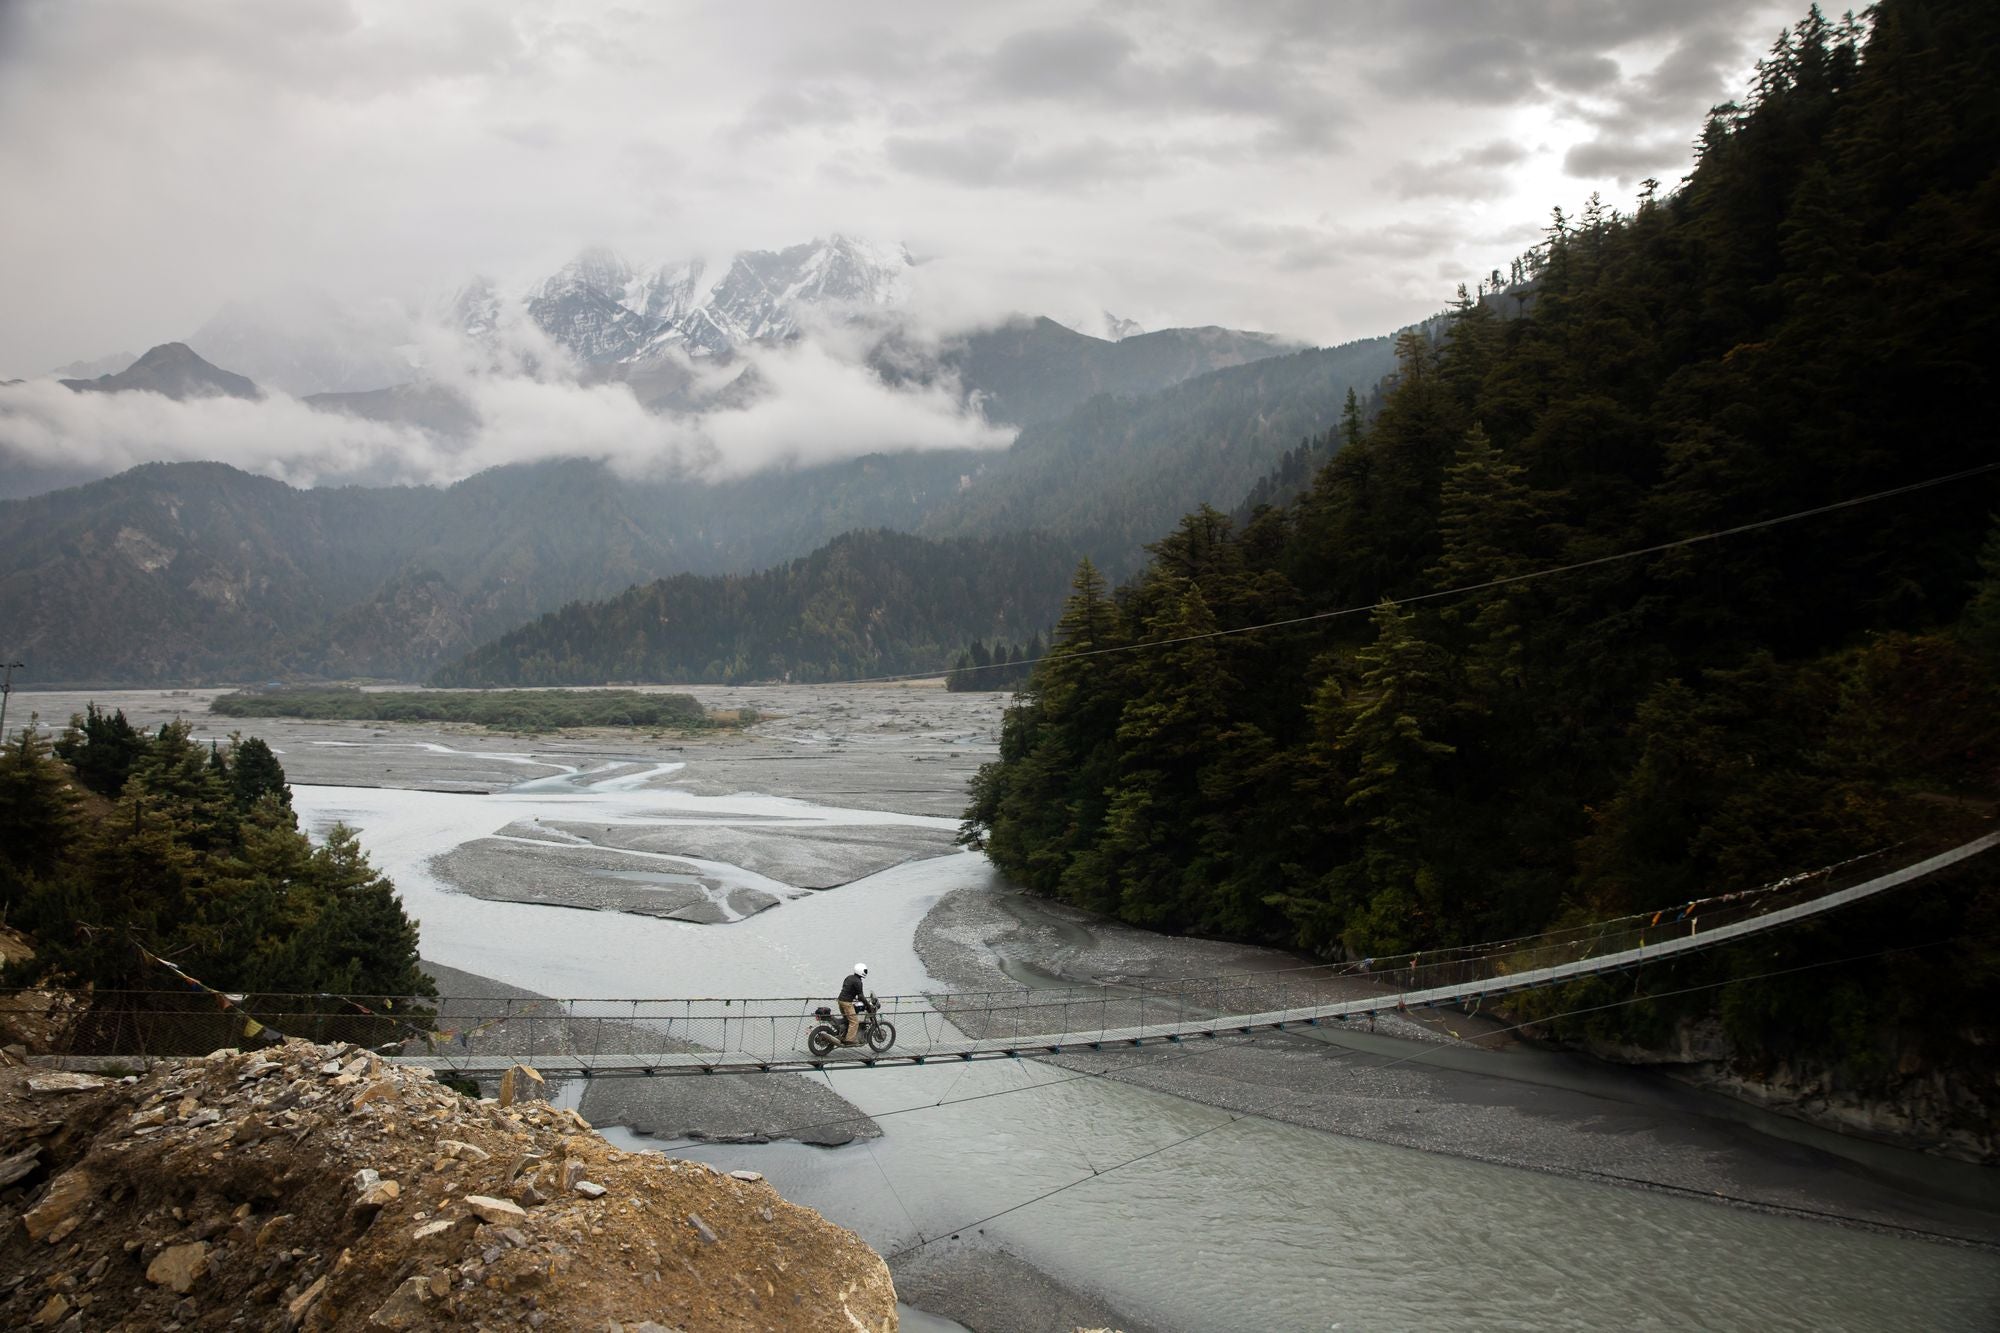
(1029, 371)
(633, 321)
(178, 572)
(91, 369)
(173, 369)
(186, 571)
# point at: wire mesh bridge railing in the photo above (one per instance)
(649, 1036)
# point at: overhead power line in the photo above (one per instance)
(953, 1233)
(1157, 1058)
(1463, 590)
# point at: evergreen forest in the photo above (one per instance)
(1004, 666)
(116, 844)
(1542, 656)
(507, 710)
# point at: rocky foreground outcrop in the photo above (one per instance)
(314, 1188)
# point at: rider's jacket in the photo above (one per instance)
(850, 989)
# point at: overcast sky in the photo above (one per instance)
(1320, 169)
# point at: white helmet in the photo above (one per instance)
(861, 969)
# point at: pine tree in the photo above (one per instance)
(38, 811)
(1392, 749)
(101, 748)
(1486, 524)
(254, 773)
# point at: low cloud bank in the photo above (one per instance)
(808, 402)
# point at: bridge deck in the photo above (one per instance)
(992, 1048)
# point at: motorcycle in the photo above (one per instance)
(876, 1032)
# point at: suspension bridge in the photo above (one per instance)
(591, 1038)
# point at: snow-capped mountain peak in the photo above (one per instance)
(605, 310)
(1117, 329)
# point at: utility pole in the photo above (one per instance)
(6, 689)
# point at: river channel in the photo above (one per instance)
(1175, 1214)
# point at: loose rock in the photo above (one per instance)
(405, 1306)
(66, 1193)
(490, 1209)
(178, 1266)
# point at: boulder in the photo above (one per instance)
(66, 1194)
(178, 1266)
(497, 1211)
(405, 1306)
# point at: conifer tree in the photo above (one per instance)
(101, 748)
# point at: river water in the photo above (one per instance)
(1253, 1224)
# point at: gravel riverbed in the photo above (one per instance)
(1451, 1083)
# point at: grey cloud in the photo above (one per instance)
(816, 405)
(1299, 247)
(1093, 63)
(1493, 71)
(1624, 159)
(165, 156)
(798, 106)
(1581, 73)
(1512, 54)
(989, 156)
(1478, 172)
(853, 49)
(1628, 118)
(314, 47)
(1701, 64)
(1547, 29)
(1082, 58)
(539, 135)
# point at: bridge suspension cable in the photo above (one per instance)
(589, 1038)
(764, 1036)
(924, 1242)
(1464, 589)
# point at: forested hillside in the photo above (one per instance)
(1113, 474)
(1808, 320)
(1031, 371)
(868, 603)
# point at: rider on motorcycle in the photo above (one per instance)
(850, 996)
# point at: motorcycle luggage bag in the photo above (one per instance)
(822, 1012)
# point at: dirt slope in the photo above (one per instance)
(313, 1188)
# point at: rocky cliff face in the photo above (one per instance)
(313, 1187)
(1911, 1102)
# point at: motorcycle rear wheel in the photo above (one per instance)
(882, 1036)
(821, 1041)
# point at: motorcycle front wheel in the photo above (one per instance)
(821, 1041)
(882, 1036)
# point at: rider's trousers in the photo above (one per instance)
(853, 1021)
